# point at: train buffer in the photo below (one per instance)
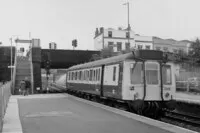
(59, 113)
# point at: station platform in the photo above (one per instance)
(187, 97)
(63, 113)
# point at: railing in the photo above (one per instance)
(5, 93)
(182, 86)
(186, 86)
(14, 74)
(32, 79)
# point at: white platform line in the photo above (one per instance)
(11, 121)
(155, 123)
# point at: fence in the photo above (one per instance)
(184, 74)
(5, 93)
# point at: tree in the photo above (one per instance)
(95, 57)
(195, 49)
(107, 52)
(74, 43)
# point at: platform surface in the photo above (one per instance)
(67, 114)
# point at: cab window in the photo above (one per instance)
(151, 73)
(136, 73)
(166, 72)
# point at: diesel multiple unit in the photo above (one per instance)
(142, 79)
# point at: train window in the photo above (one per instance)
(90, 75)
(76, 75)
(84, 75)
(114, 73)
(72, 75)
(136, 73)
(96, 75)
(99, 74)
(79, 75)
(68, 76)
(151, 73)
(166, 72)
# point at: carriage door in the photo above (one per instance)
(153, 89)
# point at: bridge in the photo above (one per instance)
(30, 66)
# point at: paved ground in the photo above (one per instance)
(67, 115)
(62, 113)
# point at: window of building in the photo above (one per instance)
(151, 73)
(175, 50)
(110, 45)
(136, 73)
(114, 73)
(109, 33)
(147, 47)
(127, 34)
(127, 46)
(165, 49)
(181, 51)
(119, 46)
(139, 46)
(158, 48)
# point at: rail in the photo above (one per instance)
(5, 93)
(182, 119)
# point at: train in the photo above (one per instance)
(141, 79)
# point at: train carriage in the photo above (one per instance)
(138, 78)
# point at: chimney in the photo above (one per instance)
(119, 28)
(101, 30)
(96, 32)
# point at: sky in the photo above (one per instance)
(61, 21)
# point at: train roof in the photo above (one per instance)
(136, 55)
(103, 61)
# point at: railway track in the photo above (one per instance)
(182, 119)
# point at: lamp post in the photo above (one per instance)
(128, 28)
(11, 72)
(11, 64)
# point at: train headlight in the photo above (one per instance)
(136, 95)
(132, 88)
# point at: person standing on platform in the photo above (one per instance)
(22, 88)
(28, 86)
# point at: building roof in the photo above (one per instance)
(170, 41)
